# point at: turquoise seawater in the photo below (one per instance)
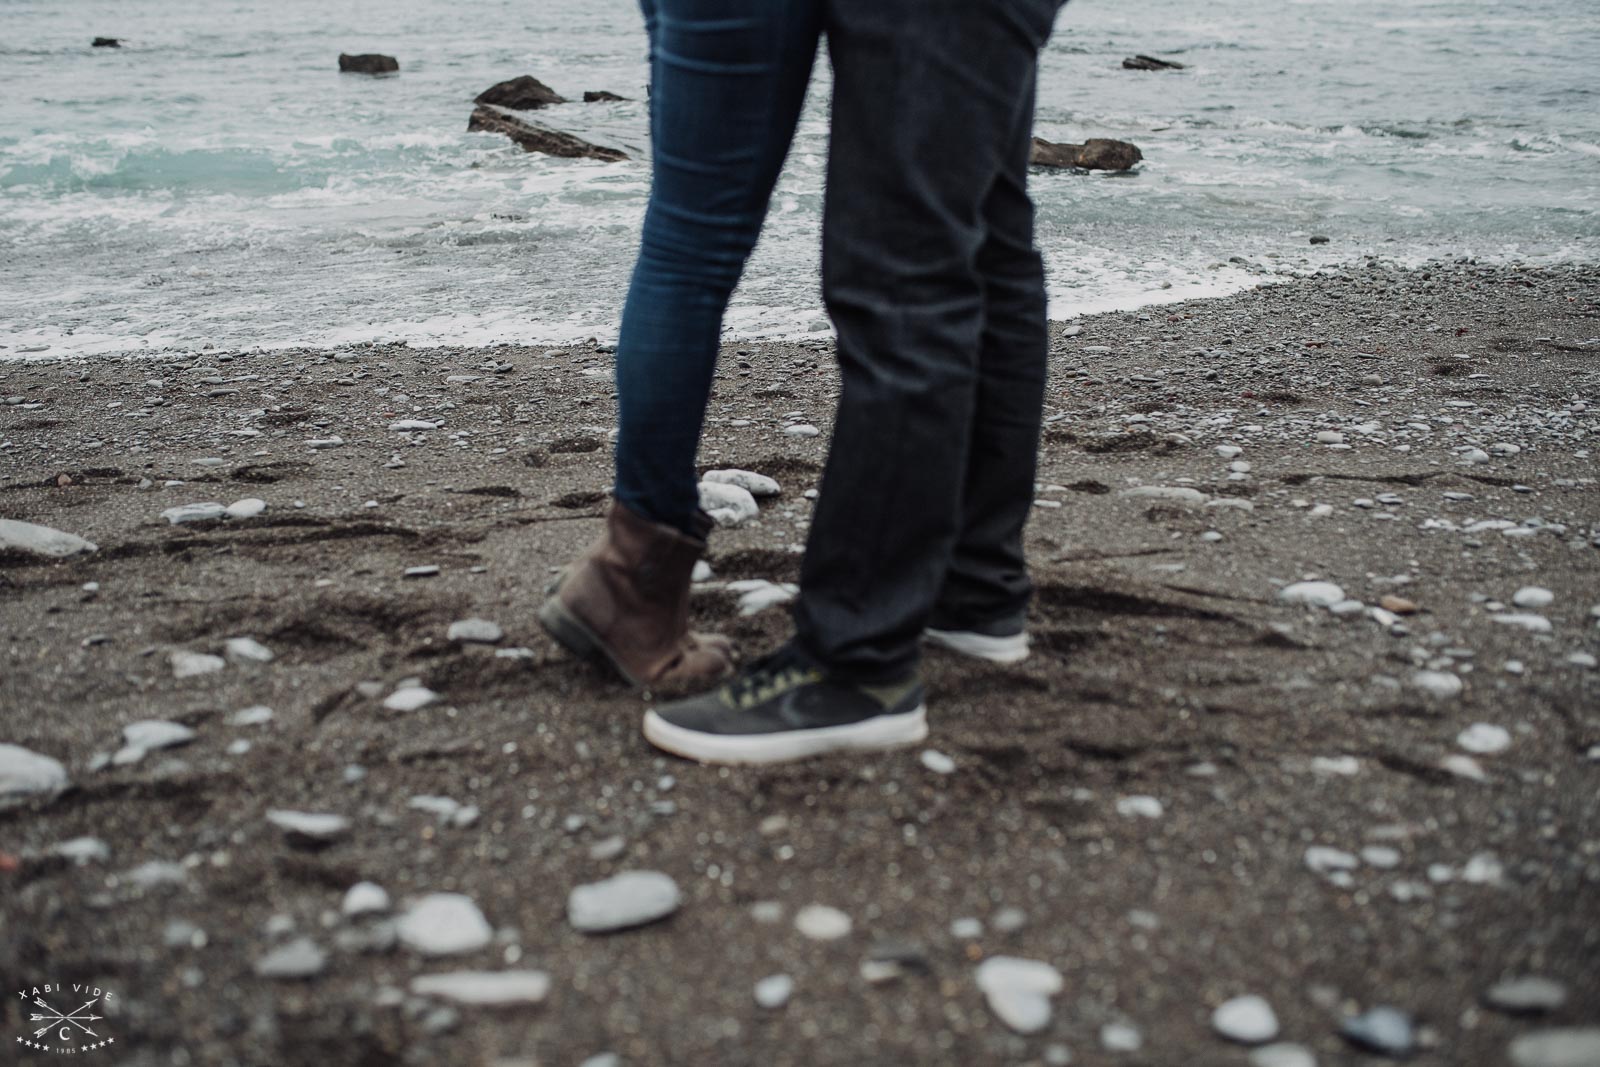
(216, 181)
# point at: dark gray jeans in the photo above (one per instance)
(937, 293)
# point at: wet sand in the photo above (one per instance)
(1166, 665)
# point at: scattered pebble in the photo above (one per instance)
(247, 651)
(625, 900)
(248, 508)
(774, 991)
(937, 762)
(410, 698)
(1283, 1054)
(300, 958)
(41, 540)
(1121, 1037)
(757, 485)
(1315, 594)
(1018, 991)
(187, 664)
(484, 988)
(1139, 806)
(475, 631)
(1537, 624)
(255, 715)
(1439, 684)
(1569, 1046)
(1384, 1030)
(209, 511)
(364, 898)
(801, 429)
(728, 504)
(444, 924)
(1247, 1019)
(82, 850)
(1533, 597)
(1527, 995)
(822, 923)
(1484, 739)
(310, 827)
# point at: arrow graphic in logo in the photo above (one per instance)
(76, 1018)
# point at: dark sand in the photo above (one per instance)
(1165, 666)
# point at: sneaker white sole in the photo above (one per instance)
(871, 735)
(1013, 649)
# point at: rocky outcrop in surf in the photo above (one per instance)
(533, 137)
(1142, 62)
(1096, 153)
(368, 63)
(525, 93)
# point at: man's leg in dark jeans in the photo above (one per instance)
(928, 102)
(987, 584)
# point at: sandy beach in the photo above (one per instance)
(1196, 788)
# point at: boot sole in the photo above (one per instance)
(571, 634)
(1012, 649)
(877, 734)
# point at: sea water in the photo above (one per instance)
(216, 182)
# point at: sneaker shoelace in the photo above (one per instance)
(774, 673)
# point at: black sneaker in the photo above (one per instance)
(782, 708)
(1001, 641)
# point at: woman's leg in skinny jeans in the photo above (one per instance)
(728, 81)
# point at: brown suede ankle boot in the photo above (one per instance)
(626, 601)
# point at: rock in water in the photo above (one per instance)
(488, 988)
(1097, 153)
(1382, 1029)
(24, 773)
(600, 96)
(41, 541)
(1018, 991)
(1570, 1046)
(728, 504)
(368, 63)
(106, 42)
(535, 138)
(1144, 62)
(1248, 1020)
(525, 93)
(1528, 995)
(632, 898)
(444, 924)
(300, 958)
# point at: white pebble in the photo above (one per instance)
(1533, 597)
(822, 923)
(1484, 739)
(1248, 1019)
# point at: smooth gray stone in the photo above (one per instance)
(43, 541)
(1526, 995)
(300, 958)
(444, 924)
(1570, 1046)
(151, 734)
(1382, 1029)
(484, 987)
(25, 773)
(632, 898)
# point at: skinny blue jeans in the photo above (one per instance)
(728, 80)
